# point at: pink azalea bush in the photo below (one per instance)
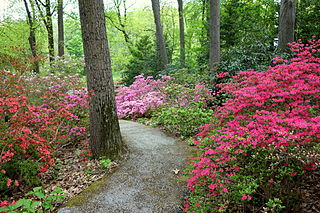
(139, 98)
(264, 139)
(147, 94)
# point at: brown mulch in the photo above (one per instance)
(311, 193)
(73, 171)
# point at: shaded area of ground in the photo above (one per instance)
(145, 182)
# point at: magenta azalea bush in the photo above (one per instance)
(263, 141)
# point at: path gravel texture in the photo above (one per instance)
(145, 182)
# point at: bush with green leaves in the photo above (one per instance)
(40, 202)
(182, 120)
(66, 66)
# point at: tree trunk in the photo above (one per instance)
(32, 38)
(161, 47)
(214, 21)
(60, 29)
(105, 137)
(181, 29)
(286, 23)
(47, 20)
(50, 30)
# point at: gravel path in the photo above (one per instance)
(145, 182)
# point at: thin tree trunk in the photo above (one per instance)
(47, 20)
(286, 23)
(159, 34)
(32, 38)
(60, 29)
(214, 54)
(105, 137)
(181, 29)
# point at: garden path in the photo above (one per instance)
(146, 182)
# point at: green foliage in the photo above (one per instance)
(65, 66)
(308, 17)
(181, 120)
(273, 205)
(143, 60)
(73, 39)
(187, 77)
(105, 162)
(41, 201)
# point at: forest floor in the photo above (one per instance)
(149, 180)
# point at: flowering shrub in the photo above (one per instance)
(147, 94)
(65, 65)
(139, 98)
(263, 140)
(36, 116)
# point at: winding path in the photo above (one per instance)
(145, 182)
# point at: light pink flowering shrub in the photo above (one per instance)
(147, 94)
(139, 98)
(264, 140)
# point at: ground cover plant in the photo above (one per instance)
(264, 140)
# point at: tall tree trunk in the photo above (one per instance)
(105, 137)
(214, 21)
(32, 38)
(181, 29)
(50, 30)
(47, 20)
(60, 29)
(159, 34)
(286, 23)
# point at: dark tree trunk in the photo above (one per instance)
(181, 29)
(105, 137)
(32, 38)
(214, 21)
(60, 29)
(50, 30)
(161, 46)
(286, 23)
(47, 20)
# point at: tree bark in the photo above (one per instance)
(161, 47)
(105, 137)
(60, 29)
(286, 23)
(181, 30)
(47, 20)
(32, 38)
(214, 21)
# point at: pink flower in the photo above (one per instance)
(271, 180)
(197, 204)
(244, 197)
(9, 182)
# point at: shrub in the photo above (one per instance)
(65, 66)
(140, 98)
(37, 115)
(182, 120)
(146, 95)
(264, 138)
